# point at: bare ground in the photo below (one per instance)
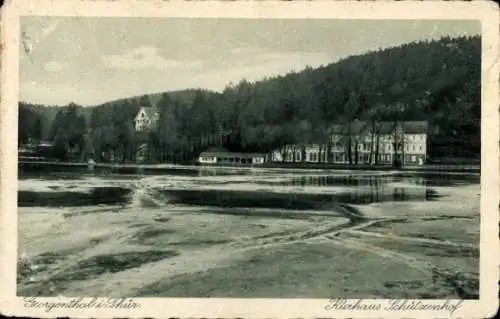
(425, 249)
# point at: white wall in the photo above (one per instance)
(207, 159)
(258, 160)
(277, 156)
(141, 121)
(416, 143)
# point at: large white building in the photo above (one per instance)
(146, 119)
(359, 142)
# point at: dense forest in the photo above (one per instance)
(438, 81)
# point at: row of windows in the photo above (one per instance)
(362, 158)
(419, 137)
(235, 160)
(315, 157)
(416, 137)
(389, 147)
(367, 147)
(232, 159)
(207, 159)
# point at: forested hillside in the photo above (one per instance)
(438, 81)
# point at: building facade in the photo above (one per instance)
(146, 119)
(359, 142)
(224, 157)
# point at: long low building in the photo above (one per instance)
(359, 142)
(225, 157)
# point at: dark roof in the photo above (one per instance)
(149, 110)
(226, 153)
(381, 127)
(355, 127)
(415, 127)
(384, 127)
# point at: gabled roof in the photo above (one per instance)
(415, 127)
(150, 111)
(357, 127)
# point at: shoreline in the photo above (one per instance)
(471, 168)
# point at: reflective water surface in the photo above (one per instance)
(235, 188)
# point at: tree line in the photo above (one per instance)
(437, 81)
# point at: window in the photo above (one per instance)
(420, 148)
(413, 148)
(413, 158)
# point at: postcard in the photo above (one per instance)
(249, 159)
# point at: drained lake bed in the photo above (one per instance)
(222, 232)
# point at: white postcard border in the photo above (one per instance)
(485, 11)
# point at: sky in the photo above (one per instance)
(92, 60)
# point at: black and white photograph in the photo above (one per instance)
(207, 157)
